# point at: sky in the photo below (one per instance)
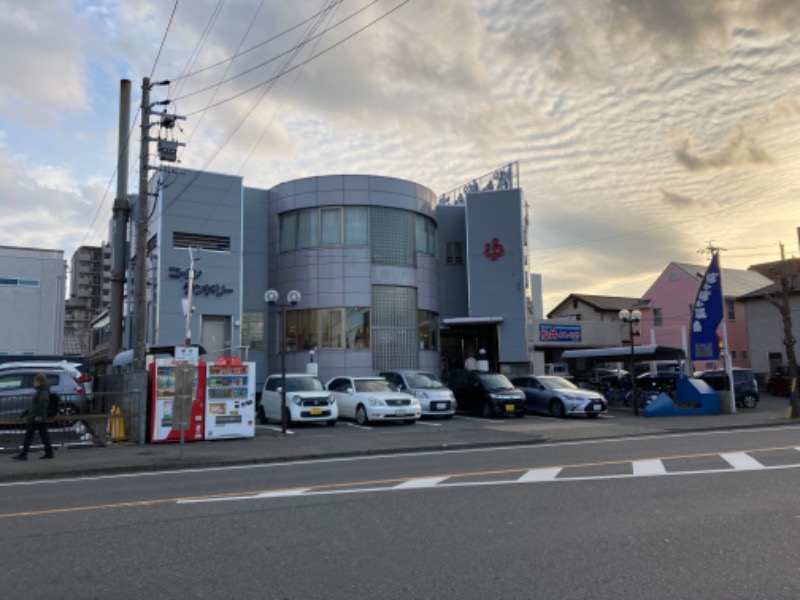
(645, 130)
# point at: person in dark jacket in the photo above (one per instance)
(37, 419)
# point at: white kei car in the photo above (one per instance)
(307, 400)
(368, 399)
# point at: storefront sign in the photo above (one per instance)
(493, 250)
(559, 333)
(199, 289)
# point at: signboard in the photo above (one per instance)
(559, 333)
(188, 353)
(707, 314)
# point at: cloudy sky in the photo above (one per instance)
(644, 129)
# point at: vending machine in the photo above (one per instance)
(162, 398)
(230, 410)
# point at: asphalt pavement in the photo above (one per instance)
(346, 439)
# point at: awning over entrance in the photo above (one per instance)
(460, 321)
(622, 353)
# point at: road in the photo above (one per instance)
(703, 515)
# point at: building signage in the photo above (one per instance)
(199, 289)
(559, 333)
(493, 250)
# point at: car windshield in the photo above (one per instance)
(303, 384)
(424, 381)
(372, 385)
(557, 383)
(495, 381)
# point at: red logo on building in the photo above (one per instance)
(494, 250)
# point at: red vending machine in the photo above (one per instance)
(162, 396)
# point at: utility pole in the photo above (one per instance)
(781, 301)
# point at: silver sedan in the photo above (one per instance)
(558, 396)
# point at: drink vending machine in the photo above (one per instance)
(230, 399)
(162, 398)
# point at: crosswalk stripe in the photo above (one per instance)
(648, 467)
(741, 461)
(540, 475)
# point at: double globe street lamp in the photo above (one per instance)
(632, 317)
(272, 297)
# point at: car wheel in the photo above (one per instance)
(361, 415)
(66, 414)
(557, 409)
(749, 401)
(262, 418)
(331, 423)
(487, 410)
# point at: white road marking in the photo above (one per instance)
(357, 426)
(741, 461)
(648, 467)
(420, 422)
(277, 494)
(480, 420)
(540, 475)
(424, 482)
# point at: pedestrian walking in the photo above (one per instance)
(37, 419)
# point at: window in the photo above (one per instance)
(427, 322)
(331, 326)
(357, 328)
(301, 330)
(288, 231)
(356, 226)
(731, 308)
(394, 331)
(307, 228)
(744, 354)
(426, 235)
(658, 319)
(19, 282)
(331, 226)
(733, 354)
(453, 253)
(253, 330)
(198, 240)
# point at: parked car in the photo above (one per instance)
(779, 383)
(435, 399)
(75, 369)
(307, 400)
(16, 389)
(486, 393)
(558, 397)
(368, 399)
(745, 388)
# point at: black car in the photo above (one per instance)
(745, 388)
(485, 393)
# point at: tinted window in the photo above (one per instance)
(494, 381)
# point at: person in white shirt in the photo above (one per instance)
(470, 364)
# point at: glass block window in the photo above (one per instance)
(392, 237)
(356, 225)
(394, 334)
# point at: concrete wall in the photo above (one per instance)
(765, 332)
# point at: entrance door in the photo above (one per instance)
(215, 334)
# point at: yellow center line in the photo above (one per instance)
(370, 482)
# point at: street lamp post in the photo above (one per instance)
(630, 317)
(292, 298)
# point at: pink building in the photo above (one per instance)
(667, 309)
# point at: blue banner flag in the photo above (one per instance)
(707, 314)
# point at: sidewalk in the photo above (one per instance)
(307, 443)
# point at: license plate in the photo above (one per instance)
(509, 408)
(441, 406)
(401, 412)
(597, 407)
(316, 411)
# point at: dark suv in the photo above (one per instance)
(745, 387)
(489, 394)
